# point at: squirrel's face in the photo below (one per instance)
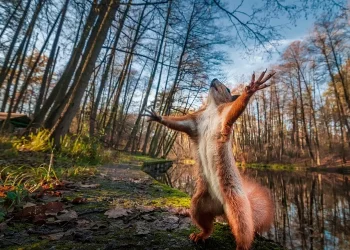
(219, 93)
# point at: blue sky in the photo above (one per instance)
(243, 65)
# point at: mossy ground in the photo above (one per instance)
(153, 220)
(137, 159)
(270, 166)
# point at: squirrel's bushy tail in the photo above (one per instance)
(261, 205)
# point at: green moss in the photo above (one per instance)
(34, 246)
(272, 166)
(139, 159)
(169, 196)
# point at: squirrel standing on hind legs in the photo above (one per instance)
(220, 189)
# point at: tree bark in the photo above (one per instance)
(4, 70)
(58, 92)
(106, 72)
(51, 58)
(106, 16)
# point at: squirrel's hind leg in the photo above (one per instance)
(203, 211)
(239, 216)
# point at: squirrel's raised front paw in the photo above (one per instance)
(153, 115)
(258, 84)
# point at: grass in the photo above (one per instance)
(30, 163)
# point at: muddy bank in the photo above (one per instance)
(123, 208)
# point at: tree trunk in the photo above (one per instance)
(106, 72)
(5, 69)
(107, 12)
(307, 139)
(58, 92)
(51, 59)
(20, 52)
(29, 77)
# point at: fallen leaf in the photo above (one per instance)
(67, 216)
(172, 219)
(29, 204)
(49, 198)
(51, 208)
(32, 211)
(148, 217)
(116, 213)
(180, 211)
(89, 185)
(55, 193)
(4, 189)
(56, 236)
(147, 209)
(3, 226)
(83, 223)
(54, 207)
(98, 225)
(39, 219)
(79, 200)
(50, 220)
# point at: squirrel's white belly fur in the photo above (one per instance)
(208, 125)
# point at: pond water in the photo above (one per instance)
(312, 209)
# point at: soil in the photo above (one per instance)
(120, 208)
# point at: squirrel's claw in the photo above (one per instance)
(258, 84)
(153, 115)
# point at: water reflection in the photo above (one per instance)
(312, 209)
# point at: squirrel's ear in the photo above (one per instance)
(234, 97)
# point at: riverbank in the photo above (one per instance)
(120, 208)
(293, 167)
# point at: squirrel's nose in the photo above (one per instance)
(214, 82)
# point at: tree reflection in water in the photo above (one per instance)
(312, 209)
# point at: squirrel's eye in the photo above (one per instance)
(228, 90)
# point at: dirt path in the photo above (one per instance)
(122, 208)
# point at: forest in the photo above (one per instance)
(91, 68)
(82, 168)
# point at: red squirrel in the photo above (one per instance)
(220, 189)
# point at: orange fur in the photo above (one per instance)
(261, 204)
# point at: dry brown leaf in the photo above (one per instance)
(147, 209)
(116, 213)
(51, 208)
(4, 189)
(29, 204)
(89, 185)
(67, 216)
(39, 219)
(3, 226)
(54, 207)
(79, 200)
(56, 236)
